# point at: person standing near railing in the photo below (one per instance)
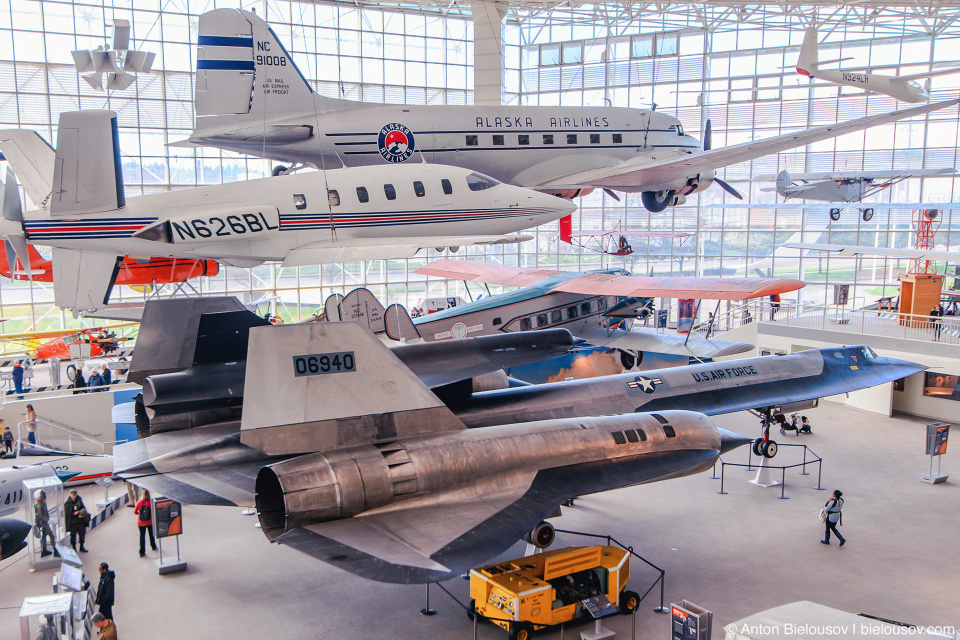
(774, 306)
(30, 422)
(935, 315)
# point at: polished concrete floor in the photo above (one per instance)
(734, 554)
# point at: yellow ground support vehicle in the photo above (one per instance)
(548, 588)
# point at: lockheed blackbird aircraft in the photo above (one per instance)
(350, 458)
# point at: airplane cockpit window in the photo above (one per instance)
(473, 141)
(498, 322)
(839, 355)
(556, 316)
(525, 324)
(447, 187)
(643, 436)
(571, 138)
(572, 312)
(542, 320)
(585, 308)
(418, 189)
(333, 197)
(617, 138)
(631, 435)
(479, 182)
(390, 192)
(679, 129)
(362, 194)
(548, 138)
(299, 201)
(601, 304)
(669, 431)
(523, 139)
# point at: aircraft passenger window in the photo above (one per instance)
(497, 321)
(299, 201)
(333, 197)
(447, 187)
(667, 429)
(498, 140)
(556, 316)
(571, 138)
(618, 437)
(390, 192)
(572, 312)
(472, 141)
(523, 139)
(679, 129)
(617, 138)
(479, 182)
(548, 138)
(585, 308)
(525, 324)
(643, 436)
(594, 138)
(362, 194)
(601, 304)
(631, 435)
(542, 320)
(418, 188)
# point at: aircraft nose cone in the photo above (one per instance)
(13, 536)
(730, 440)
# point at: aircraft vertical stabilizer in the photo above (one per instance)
(807, 62)
(87, 176)
(83, 279)
(315, 386)
(783, 182)
(398, 324)
(362, 306)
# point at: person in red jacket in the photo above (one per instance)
(145, 521)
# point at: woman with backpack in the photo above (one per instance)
(145, 521)
(832, 517)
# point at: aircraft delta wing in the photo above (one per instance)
(404, 492)
(251, 98)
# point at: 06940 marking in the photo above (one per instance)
(320, 363)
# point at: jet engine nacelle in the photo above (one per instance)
(542, 535)
(570, 194)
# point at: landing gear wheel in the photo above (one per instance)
(756, 446)
(71, 372)
(628, 360)
(867, 214)
(521, 631)
(278, 170)
(629, 602)
(834, 214)
(769, 449)
(454, 249)
(472, 609)
(657, 201)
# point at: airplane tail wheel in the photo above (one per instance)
(521, 631)
(868, 214)
(756, 446)
(278, 170)
(657, 201)
(629, 602)
(834, 214)
(769, 449)
(71, 372)
(542, 535)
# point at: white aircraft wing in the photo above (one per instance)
(644, 171)
(826, 206)
(384, 248)
(882, 252)
(32, 159)
(892, 174)
(928, 74)
(640, 339)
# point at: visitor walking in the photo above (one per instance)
(76, 518)
(145, 522)
(106, 629)
(832, 517)
(105, 594)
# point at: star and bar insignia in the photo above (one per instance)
(649, 385)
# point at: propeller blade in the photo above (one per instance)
(612, 194)
(707, 135)
(19, 245)
(11, 199)
(726, 187)
(11, 257)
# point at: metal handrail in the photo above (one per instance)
(70, 431)
(783, 468)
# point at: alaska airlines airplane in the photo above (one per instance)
(251, 98)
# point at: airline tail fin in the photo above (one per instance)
(783, 182)
(807, 62)
(398, 324)
(318, 385)
(566, 229)
(87, 176)
(244, 70)
(362, 306)
(32, 159)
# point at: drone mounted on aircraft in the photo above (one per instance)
(315, 217)
(251, 98)
(845, 186)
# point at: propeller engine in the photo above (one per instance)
(11, 226)
(707, 145)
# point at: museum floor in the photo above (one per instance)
(735, 554)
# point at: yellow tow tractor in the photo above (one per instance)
(547, 589)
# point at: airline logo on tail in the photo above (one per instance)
(395, 142)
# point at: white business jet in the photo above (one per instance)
(315, 217)
(251, 98)
(905, 88)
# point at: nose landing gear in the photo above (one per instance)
(764, 446)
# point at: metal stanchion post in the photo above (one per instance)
(819, 486)
(475, 617)
(427, 611)
(723, 468)
(750, 458)
(783, 482)
(661, 608)
(633, 626)
(714, 476)
(804, 472)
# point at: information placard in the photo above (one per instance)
(167, 517)
(937, 434)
